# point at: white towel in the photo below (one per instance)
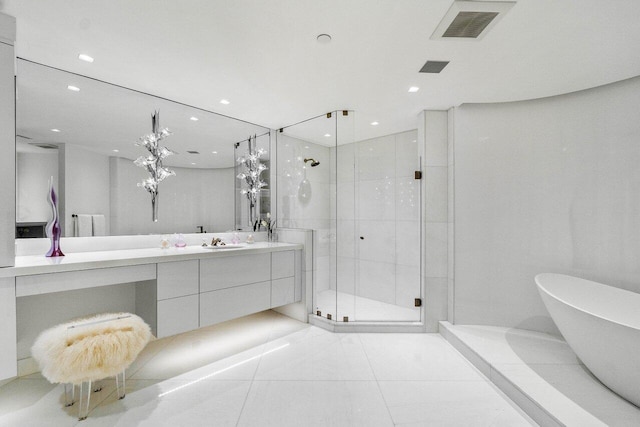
(99, 227)
(84, 227)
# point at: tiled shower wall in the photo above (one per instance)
(377, 215)
(310, 210)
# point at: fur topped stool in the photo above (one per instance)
(86, 350)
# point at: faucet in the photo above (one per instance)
(201, 227)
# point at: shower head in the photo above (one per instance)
(314, 163)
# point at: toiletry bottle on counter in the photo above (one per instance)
(179, 241)
(164, 242)
(250, 238)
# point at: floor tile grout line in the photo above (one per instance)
(376, 378)
(255, 372)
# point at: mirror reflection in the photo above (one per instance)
(82, 132)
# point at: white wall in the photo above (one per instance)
(548, 185)
(191, 198)
(84, 185)
(33, 171)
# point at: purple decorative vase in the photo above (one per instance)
(53, 226)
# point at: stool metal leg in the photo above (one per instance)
(120, 384)
(85, 399)
(69, 394)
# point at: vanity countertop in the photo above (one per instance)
(39, 264)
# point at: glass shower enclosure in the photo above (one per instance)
(362, 199)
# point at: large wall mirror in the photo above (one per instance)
(83, 132)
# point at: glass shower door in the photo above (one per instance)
(304, 198)
(387, 203)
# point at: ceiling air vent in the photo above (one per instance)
(193, 152)
(469, 24)
(433, 67)
(470, 20)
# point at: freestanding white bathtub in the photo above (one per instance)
(601, 324)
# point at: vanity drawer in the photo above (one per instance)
(177, 315)
(226, 272)
(178, 278)
(282, 264)
(282, 291)
(70, 280)
(225, 304)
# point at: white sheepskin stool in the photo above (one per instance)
(90, 349)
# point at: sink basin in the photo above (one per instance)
(224, 247)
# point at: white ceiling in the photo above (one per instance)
(263, 55)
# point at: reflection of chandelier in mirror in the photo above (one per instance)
(153, 162)
(251, 175)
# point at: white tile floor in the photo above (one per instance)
(546, 373)
(270, 370)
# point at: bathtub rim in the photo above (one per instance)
(541, 287)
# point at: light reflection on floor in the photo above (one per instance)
(270, 370)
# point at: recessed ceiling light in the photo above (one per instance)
(414, 89)
(374, 123)
(193, 163)
(73, 88)
(195, 119)
(116, 151)
(85, 58)
(327, 135)
(224, 101)
(55, 130)
(324, 39)
(214, 152)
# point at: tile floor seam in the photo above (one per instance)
(376, 378)
(253, 377)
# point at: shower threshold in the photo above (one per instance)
(363, 314)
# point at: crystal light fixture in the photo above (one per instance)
(253, 168)
(153, 162)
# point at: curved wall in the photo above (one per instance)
(547, 185)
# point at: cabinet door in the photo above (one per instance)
(282, 291)
(225, 304)
(177, 315)
(178, 278)
(226, 272)
(282, 264)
